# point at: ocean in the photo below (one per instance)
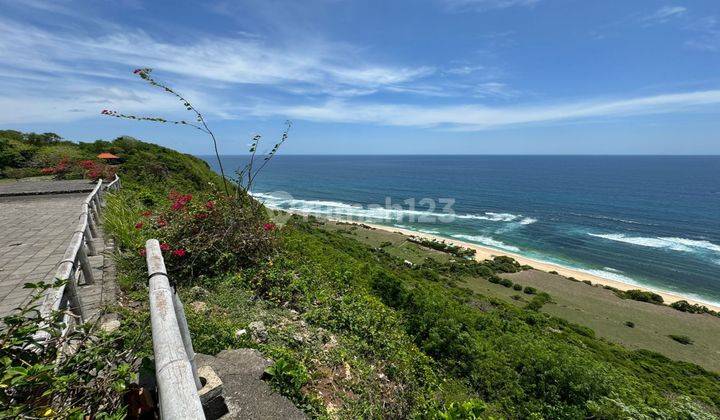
(652, 221)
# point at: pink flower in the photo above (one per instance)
(179, 252)
(210, 205)
(142, 252)
(164, 247)
(201, 216)
(161, 223)
(269, 226)
(179, 200)
(138, 225)
(146, 213)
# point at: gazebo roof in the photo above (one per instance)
(106, 155)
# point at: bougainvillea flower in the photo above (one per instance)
(164, 247)
(138, 225)
(269, 226)
(161, 223)
(146, 213)
(179, 252)
(201, 216)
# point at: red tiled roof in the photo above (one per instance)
(106, 155)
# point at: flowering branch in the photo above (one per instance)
(144, 73)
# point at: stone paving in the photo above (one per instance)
(34, 233)
(36, 187)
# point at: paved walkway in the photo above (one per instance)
(44, 186)
(34, 233)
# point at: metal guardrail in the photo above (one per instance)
(75, 260)
(175, 370)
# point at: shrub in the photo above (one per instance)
(494, 279)
(553, 272)
(504, 264)
(685, 306)
(630, 324)
(47, 381)
(469, 410)
(538, 301)
(517, 287)
(641, 295)
(211, 236)
(588, 282)
(506, 283)
(389, 289)
(288, 376)
(385, 244)
(530, 290)
(682, 339)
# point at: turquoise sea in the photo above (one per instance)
(646, 220)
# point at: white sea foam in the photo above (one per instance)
(284, 201)
(486, 240)
(674, 244)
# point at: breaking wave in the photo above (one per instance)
(674, 244)
(377, 212)
(486, 240)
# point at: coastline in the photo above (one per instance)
(483, 252)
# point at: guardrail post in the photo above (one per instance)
(73, 296)
(91, 224)
(89, 242)
(84, 262)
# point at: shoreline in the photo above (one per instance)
(484, 252)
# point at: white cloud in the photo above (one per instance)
(245, 60)
(708, 34)
(464, 70)
(478, 117)
(664, 14)
(484, 5)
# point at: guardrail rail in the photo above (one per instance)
(75, 260)
(175, 369)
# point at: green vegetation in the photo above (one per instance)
(357, 333)
(455, 250)
(682, 339)
(49, 381)
(640, 295)
(684, 306)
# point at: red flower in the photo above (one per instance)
(146, 213)
(164, 247)
(210, 205)
(142, 252)
(161, 223)
(179, 252)
(201, 216)
(179, 200)
(47, 171)
(138, 225)
(269, 226)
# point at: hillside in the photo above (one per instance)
(354, 331)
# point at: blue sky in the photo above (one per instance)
(434, 76)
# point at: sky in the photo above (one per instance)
(372, 77)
